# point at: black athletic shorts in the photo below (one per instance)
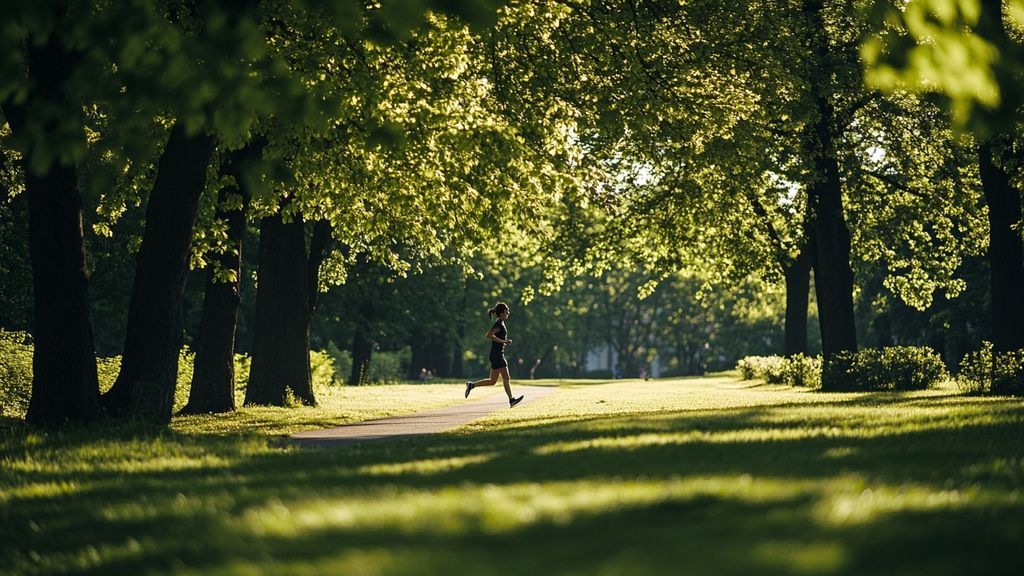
(498, 360)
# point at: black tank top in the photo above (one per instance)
(502, 333)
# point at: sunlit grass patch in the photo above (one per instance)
(501, 508)
(700, 475)
(427, 466)
(336, 406)
(841, 505)
(788, 556)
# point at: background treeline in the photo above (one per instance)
(434, 319)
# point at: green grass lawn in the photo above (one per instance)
(689, 476)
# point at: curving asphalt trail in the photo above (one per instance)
(430, 422)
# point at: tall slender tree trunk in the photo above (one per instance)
(798, 288)
(64, 382)
(213, 375)
(796, 272)
(149, 367)
(419, 357)
(440, 345)
(458, 365)
(833, 276)
(430, 351)
(320, 245)
(280, 358)
(1005, 251)
(362, 344)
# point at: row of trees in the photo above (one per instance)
(288, 113)
(720, 140)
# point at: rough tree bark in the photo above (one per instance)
(1005, 252)
(833, 276)
(149, 367)
(64, 382)
(280, 358)
(213, 376)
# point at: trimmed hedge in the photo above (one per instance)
(889, 368)
(798, 370)
(988, 372)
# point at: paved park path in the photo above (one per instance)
(430, 422)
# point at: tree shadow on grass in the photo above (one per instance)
(698, 535)
(197, 516)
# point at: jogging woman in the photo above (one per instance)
(498, 335)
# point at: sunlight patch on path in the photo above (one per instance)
(430, 422)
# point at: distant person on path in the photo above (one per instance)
(498, 335)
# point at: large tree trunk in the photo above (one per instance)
(833, 276)
(1005, 251)
(280, 358)
(149, 367)
(213, 376)
(64, 382)
(798, 287)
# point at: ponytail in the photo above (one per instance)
(498, 309)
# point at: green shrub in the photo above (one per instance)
(774, 370)
(242, 364)
(325, 372)
(1008, 373)
(771, 369)
(15, 373)
(803, 371)
(342, 360)
(988, 372)
(747, 367)
(108, 367)
(388, 366)
(889, 368)
(385, 367)
(798, 370)
(839, 373)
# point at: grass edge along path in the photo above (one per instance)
(418, 423)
